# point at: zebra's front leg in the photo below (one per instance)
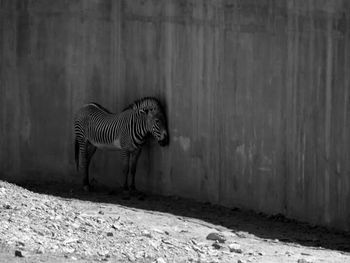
(126, 157)
(133, 163)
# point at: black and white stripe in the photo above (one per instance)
(96, 127)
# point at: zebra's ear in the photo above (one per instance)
(143, 111)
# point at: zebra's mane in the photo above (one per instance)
(99, 106)
(145, 103)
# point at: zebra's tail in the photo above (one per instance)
(77, 153)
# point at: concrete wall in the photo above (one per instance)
(256, 92)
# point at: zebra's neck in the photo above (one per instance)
(141, 129)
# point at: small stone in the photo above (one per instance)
(158, 231)
(302, 260)
(216, 237)
(40, 250)
(131, 258)
(68, 250)
(261, 253)
(235, 248)
(146, 233)
(20, 243)
(7, 206)
(140, 254)
(160, 260)
(99, 220)
(216, 245)
(103, 253)
(241, 234)
(70, 240)
(76, 225)
(115, 226)
(109, 234)
(197, 249)
(101, 212)
(168, 242)
(241, 261)
(19, 253)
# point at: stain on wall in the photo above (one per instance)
(256, 93)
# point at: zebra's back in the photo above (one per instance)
(102, 128)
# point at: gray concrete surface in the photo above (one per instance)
(256, 92)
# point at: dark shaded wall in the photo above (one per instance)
(256, 92)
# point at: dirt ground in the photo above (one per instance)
(67, 225)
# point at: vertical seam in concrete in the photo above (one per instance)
(328, 110)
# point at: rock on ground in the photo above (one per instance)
(97, 227)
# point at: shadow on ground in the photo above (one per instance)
(271, 228)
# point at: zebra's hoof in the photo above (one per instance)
(134, 192)
(141, 197)
(126, 195)
(87, 188)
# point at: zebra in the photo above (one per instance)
(96, 127)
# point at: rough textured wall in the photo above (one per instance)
(256, 92)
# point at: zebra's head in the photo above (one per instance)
(157, 125)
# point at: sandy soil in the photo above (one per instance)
(65, 225)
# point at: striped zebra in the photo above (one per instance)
(96, 127)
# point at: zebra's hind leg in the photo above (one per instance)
(91, 149)
(133, 163)
(126, 158)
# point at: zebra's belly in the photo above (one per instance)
(115, 145)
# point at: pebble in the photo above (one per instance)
(216, 245)
(241, 234)
(140, 254)
(7, 206)
(160, 260)
(216, 237)
(100, 220)
(115, 226)
(40, 250)
(235, 248)
(76, 225)
(20, 243)
(19, 253)
(146, 233)
(158, 231)
(109, 234)
(68, 250)
(302, 260)
(70, 240)
(103, 253)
